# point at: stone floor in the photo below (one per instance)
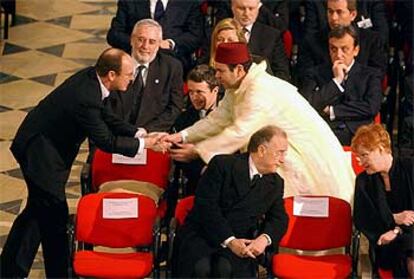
(51, 40)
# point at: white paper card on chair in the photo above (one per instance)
(120, 208)
(311, 206)
(139, 159)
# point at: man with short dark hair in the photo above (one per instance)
(221, 237)
(203, 90)
(344, 92)
(46, 145)
(314, 50)
(315, 164)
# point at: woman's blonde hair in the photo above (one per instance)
(224, 24)
(370, 137)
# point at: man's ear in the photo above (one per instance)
(215, 90)
(239, 69)
(261, 150)
(111, 75)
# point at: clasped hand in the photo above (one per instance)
(248, 248)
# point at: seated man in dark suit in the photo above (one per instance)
(155, 98)
(371, 14)
(346, 93)
(221, 237)
(203, 90)
(181, 22)
(262, 39)
(314, 48)
(274, 13)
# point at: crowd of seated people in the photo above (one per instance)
(342, 59)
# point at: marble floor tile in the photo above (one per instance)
(34, 63)
(84, 50)
(22, 93)
(48, 9)
(12, 188)
(7, 161)
(86, 22)
(9, 122)
(61, 77)
(38, 35)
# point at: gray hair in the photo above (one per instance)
(148, 22)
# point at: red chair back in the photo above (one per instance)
(156, 170)
(183, 208)
(92, 228)
(355, 163)
(288, 42)
(319, 233)
(385, 274)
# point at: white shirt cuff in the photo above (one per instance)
(141, 132)
(227, 241)
(141, 146)
(184, 135)
(331, 113)
(338, 84)
(269, 240)
(172, 43)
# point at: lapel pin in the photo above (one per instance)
(157, 81)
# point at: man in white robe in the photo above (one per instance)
(315, 164)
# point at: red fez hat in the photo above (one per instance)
(232, 53)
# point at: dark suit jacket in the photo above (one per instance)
(315, 51)
(357, 105)
(162, 99)
(316, 19)
(225, 205)
(266, 42)
(182, 22)
(274, 13)
(61, 122)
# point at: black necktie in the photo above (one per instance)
(159, 10)
(137, 88)
(254, 180)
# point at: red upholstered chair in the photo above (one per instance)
(102, 170)
(355, 163)
(288, 43)
(155, 171)
(317, 233)
(182, 209)
(90, 227)
(385, 274)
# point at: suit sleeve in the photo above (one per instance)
(276, 219)
(207, 200)
(275, 14)
(279, 61)
(102, 127)
(118, 35)
(190, 38)
(366, 107)
(320, 97)
(377, 53)
(379, 19)
(165, 120)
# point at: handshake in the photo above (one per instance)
(171, 143)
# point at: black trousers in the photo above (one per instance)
(42, 221)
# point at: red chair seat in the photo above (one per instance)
(385, 273)
(156, 171)
(299, 266)
(109, 265)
